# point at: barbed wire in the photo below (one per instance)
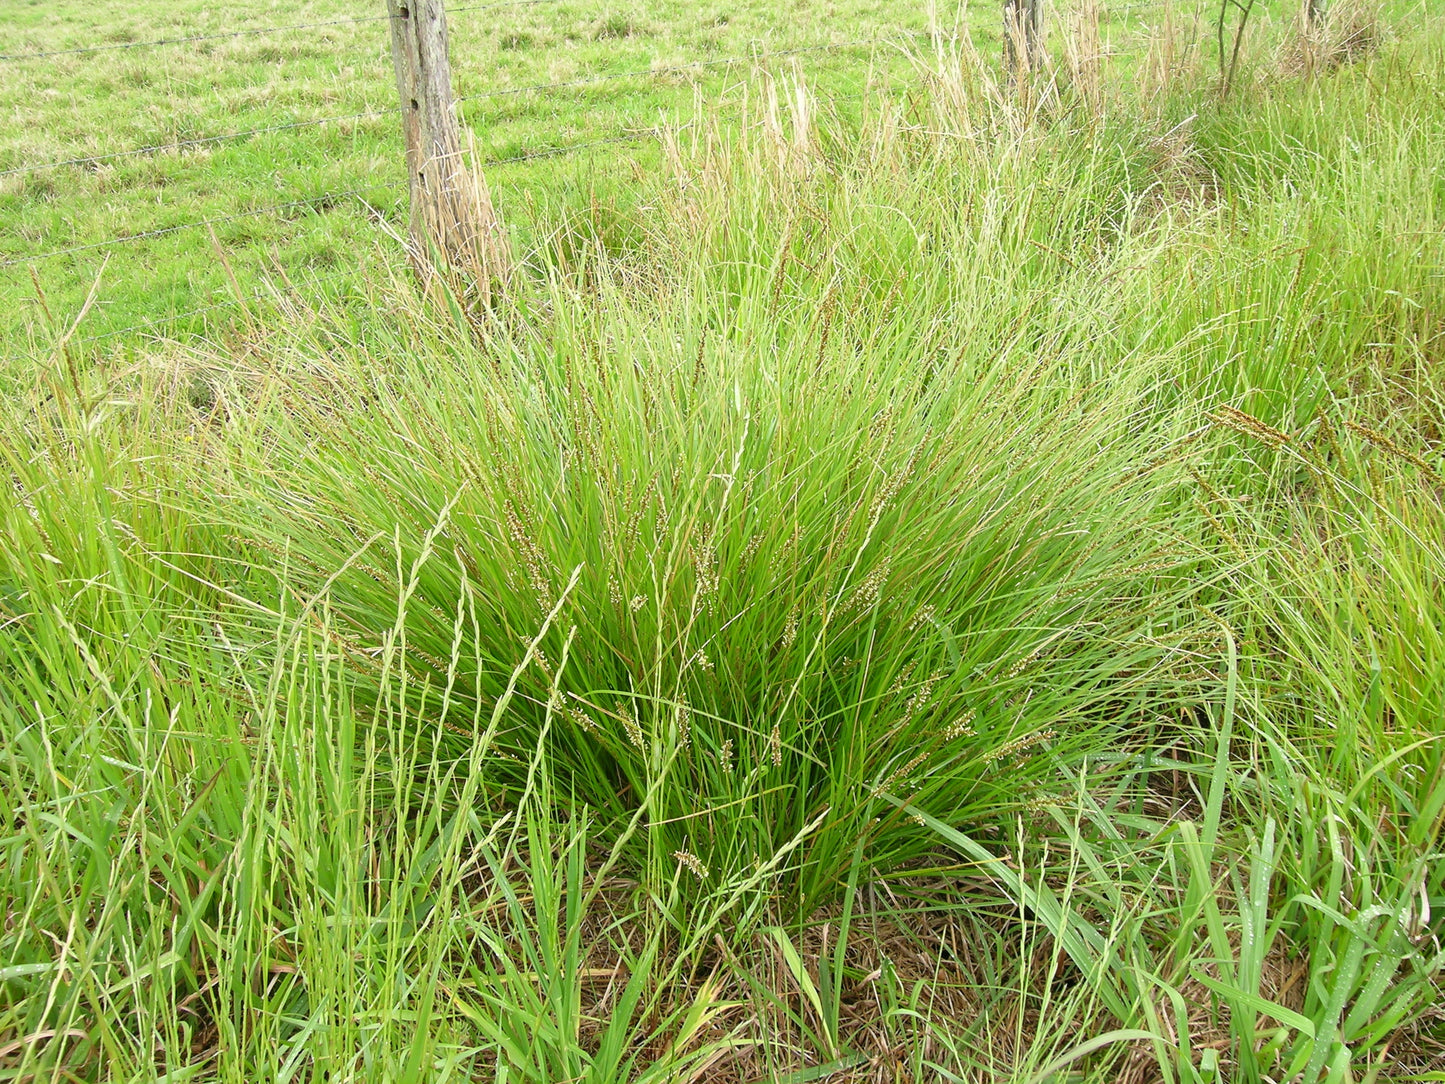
(591, 80)
(154, 42)
(151, 325)
(234, 302)
(86, 49)
(230, 302)
(200, 141)
(366, 189)
(146, 235)
(1183, 10)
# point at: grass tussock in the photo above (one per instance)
(1341, 34)
(956, 596)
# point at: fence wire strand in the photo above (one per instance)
(593, 80)
(311, 201)
(146, 235)
(758, 57)
(254, 31)
(232, 302)
(158, 325)
(369, 114)
(200, 141)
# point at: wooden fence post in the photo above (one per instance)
(1022, 48)
(452, 220)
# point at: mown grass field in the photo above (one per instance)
(946, 584)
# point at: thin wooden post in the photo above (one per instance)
(451, 215)
(1022, 48)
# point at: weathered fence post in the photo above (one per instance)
(1022, 48)
(452, 220)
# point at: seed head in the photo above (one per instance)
(1019, 746)
(630, 724)
(1023, 664)
(582, 720)
(790, 630)
(923, 617)
(960, 728)
(693, 863)
(900, 774)
(866, 595)
(921, 698)
(1241, 422)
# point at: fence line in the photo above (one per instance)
(86, 49)
(593, 80)
(311, 201)
(200, 141)
(151, 325)
(232, 302)
(228, 303)
(7, 57)
(590, 80)
(146, 235)
(526, 156)
(759, 55)
(1145, 5)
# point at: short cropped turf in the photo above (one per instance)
(944, 588)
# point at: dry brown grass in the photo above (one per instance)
(468, 255)
(1346, 32)
(904, 952)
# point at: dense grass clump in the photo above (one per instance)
(790, 569)
(959, 597)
